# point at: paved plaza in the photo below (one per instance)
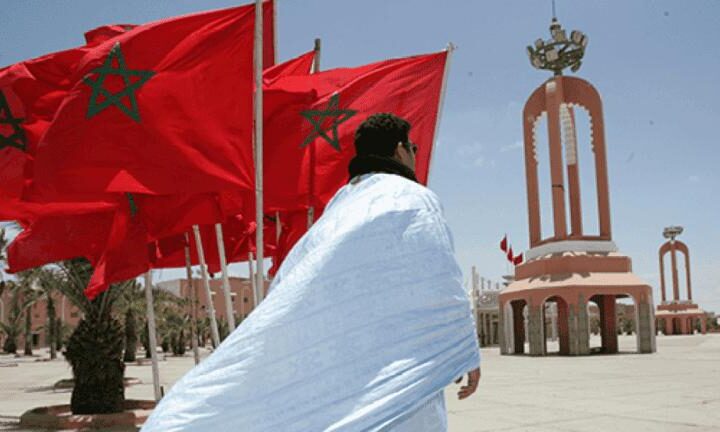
(676, 389)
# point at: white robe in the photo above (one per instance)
(365, 323)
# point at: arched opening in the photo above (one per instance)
(542, 152)
(682, 280)
(557, 332)
(660, 326)
(593, 317)
(519, 326)
(628, 324)
(584, 158)
(667, 277)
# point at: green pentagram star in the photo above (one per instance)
(132, 203)
(317, 117)
(94, 107)
(17, 137)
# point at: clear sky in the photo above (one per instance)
(656, 64)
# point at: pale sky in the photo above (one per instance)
(655, 63)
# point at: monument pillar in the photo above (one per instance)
(553, 98)
(675, 281)
(536, 326)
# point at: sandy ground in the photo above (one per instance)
(675, 389)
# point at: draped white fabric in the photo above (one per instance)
(365, 324)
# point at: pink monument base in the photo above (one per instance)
(60, 417)
(678, 318)
(572, 280)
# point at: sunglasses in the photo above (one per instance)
(411, 146)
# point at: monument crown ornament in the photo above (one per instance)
(672, 231)
(558, 52)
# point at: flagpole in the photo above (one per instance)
(311, 208)
(275, 36)
(152, 337)
(253, 281)
(450, 49)
(215, 334)
(225, 278)
(193, 300)
(278, 228)
(259, 209)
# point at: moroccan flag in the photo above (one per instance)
(101, 34)
(126, 254)
(518, 259)
(510, 254)
(504, 244)
(30, 93)
(294, 226)
(238, 238)
(310, 123)
(300, 65)
(58, 236)
(161, 109)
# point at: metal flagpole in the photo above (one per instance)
(253, 281)
(278, 227)
(259, 209)
(152, 337)
(225, 278)
(450, 49)
(311, 208)
(193, 301)
(206, 283)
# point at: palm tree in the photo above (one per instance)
(35, 284)
(13, 326)
(95, 348)
(130, 307)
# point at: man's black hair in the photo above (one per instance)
(380, 134)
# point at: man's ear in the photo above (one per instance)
(396, 154)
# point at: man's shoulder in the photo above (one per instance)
(402, 190)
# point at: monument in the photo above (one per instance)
(677, 316)
(569, 268)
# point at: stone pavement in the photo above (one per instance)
(676, 389)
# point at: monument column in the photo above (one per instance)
(675, 281)
(662, 275)
(536, 334)
(687, 274)
(573, 175)
(553, 99)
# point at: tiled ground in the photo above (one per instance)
(676, 389)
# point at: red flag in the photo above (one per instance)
(126, 254)
(504, 244)
(238, 237)
(30, 93)
(294, 226)
(510, 254)
(113, 132)
(58, 236)
(518, 259)
(300, 65)
(310, 122)
(101, 34)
